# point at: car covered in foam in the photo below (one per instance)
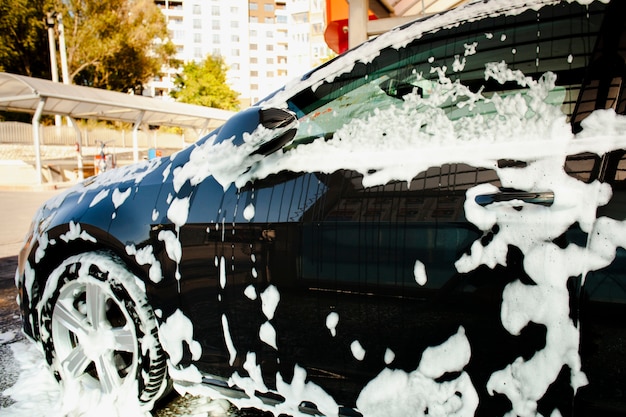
(429, 224)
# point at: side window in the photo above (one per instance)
(472, 71)
(373, 236)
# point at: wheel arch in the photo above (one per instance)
(51, 250)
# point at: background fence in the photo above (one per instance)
(17, 132)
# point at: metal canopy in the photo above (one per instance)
(388, 8)
(365, 18)
(23, 94)
(37, 96)
(392, 13)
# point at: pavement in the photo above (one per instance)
(16, 211)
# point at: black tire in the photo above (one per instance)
(97, 328)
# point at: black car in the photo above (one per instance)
(429, 224)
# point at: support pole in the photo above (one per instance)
(357, 22)
(79, 149)
(36, 138)
(65, 75)
(135, 137)
(63, 51)
(54, 70)
(204, 129)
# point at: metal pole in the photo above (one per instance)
(136, 138)
(36, 134)
(357, 22)
(65, 75)
(63, 51)
(79, 150)
(54, 70)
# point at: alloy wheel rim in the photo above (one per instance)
(94, 336)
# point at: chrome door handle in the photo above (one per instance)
(543, 198)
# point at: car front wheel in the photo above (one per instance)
(98, 330)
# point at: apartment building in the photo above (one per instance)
(263, 42)
(268, 44)
(306, 35)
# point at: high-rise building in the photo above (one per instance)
(263, 42)
(268, 46)
(307, 47)
(199, 28)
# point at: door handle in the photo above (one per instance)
(543, 198)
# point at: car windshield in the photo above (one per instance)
(449, 72)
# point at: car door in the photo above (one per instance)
(492, 262)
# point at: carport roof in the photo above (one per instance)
(23, 94)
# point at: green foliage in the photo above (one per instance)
(205, 84)
(114, 44)
(23, 37)
(117, 44)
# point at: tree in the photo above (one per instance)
(205, 84)
(23, 37)
(116, 44)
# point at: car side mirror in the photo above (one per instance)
(272, 129)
